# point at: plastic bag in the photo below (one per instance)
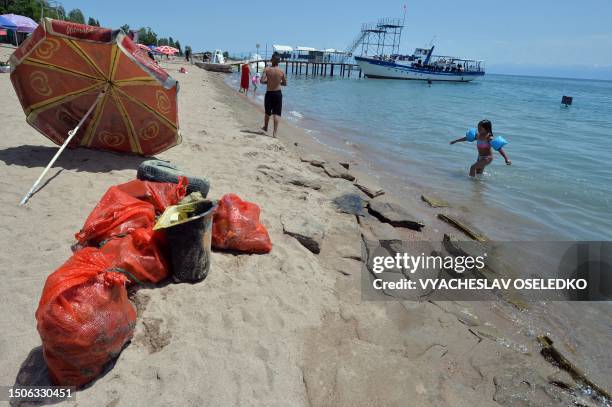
(84, 318)
(117, 213)
(127, 207)
(236, 226)
(139, 254)
(159, 194)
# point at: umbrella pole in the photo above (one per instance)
(71, 134)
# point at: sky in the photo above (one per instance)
(565, 38)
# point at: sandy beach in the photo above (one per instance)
(289, 328)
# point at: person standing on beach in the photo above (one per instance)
(274, 78)
(245, 76)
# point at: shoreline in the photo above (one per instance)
(288, 328)
(499, 223)
(538, 315)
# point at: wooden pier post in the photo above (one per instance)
(331, 73)
(286, 66)
(306, 68)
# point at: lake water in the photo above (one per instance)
(558, 187)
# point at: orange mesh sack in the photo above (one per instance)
(117, 213)
(139, 255)
(236, 226)
(84, 318)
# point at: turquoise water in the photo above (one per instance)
(560, 181)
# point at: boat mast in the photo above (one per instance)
(399, 40)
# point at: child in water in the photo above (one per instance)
(483, 144)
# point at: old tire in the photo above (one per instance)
(163, 171)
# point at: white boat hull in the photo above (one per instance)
(374, 68)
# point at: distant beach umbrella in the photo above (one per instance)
(145, 47)
(23, 24)
(85, 86)
(166, 50)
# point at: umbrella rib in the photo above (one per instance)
(53, 67)
(146, 107)
(86, 57)
(58, 100)
(128, 124)
(95, 121)
(136, 81)
(114, 62)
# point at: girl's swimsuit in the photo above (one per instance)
(482, 145)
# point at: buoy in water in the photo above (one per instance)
(567, 100)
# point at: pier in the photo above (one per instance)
(310, 68)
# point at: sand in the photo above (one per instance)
(289, 328)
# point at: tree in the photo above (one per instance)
(177, 45)
(125, 28)
(147, 36)
(76, 16)
(92, 21)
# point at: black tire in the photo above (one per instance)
(163, 171)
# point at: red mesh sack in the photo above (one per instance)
(139, 255)
(159, 194)
(84, 318)
(236, 226)
(127, 207)
(117, 213)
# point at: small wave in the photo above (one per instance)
(296, 114)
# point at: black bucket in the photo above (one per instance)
(189, 244)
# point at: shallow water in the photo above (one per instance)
(559, 185)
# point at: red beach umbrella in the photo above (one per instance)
(142, 46)
(166, 50)
(84, 86)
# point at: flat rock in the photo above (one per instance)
(351, 204)
(337, 171)
(307, 230)
(394, 214)
(464, 227)
(313, 160)
(370, 190)
(434, 202)
(302, 181)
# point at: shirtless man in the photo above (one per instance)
(274, 78)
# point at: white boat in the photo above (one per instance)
(421, 65)
(380, 58)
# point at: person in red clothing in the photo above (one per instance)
(245, 78)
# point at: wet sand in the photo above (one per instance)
(286, 328)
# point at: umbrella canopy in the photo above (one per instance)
(23, 24)
(142, 46)
(67, 74)
(166, 50)
(6, 23)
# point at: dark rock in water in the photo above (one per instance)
(370, 190)
(464, 227)
(336, 171)
(394, 214)
(345, 164)
(351, 204)
(308, 231)
(434, 202)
